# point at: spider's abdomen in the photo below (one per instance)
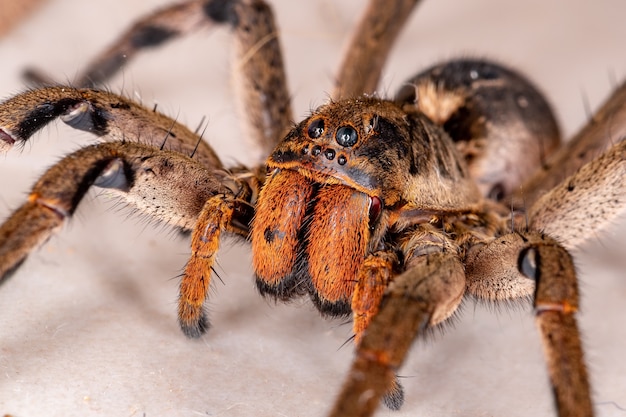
(500, 122)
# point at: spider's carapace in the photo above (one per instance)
(337, 183)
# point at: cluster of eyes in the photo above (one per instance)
(345, 136)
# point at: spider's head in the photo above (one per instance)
(377, 148)
(355, 142)
(337, 182)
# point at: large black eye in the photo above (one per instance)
(346, 136)
(316, 128)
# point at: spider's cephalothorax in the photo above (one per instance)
(388, 210)
(344, 177)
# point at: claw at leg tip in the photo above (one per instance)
(394, 398)
(194, 329)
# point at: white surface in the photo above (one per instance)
(88, 323)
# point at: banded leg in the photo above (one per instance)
(556, 302)
(151, 31)
(366, 53)
(154, 182)
(217, 216)
(259, 74)
(102, 113)
(431, 287)
(532, 260)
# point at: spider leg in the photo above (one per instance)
(374, 276)
(431, 287)
(606, 127)
(217, 215)
(153, 30)
(493, 274)
(259, 75)
(544, 264)
(166, 185)
(556, 301)
(104, 114)
(369, 46)
(585, 202)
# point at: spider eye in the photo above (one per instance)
(346, 136)
(316, 128)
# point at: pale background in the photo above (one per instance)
(88, 326)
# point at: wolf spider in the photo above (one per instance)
(416, 233)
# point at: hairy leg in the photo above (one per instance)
(431, 287)
(258, 69)
(556, 302)
(586, 202)
(520, 265)
(366, 53)
(104, 114)
(154, 182)
(216, 217)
